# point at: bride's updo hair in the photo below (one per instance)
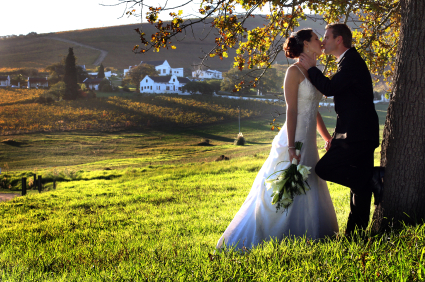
(294, 44)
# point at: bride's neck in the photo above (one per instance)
(309, 54)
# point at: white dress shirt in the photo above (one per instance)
(342, 56)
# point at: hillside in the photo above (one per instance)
(42, 50)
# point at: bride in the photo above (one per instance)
(313, 214)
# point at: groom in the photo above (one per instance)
(349, 160)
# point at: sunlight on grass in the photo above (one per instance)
(162, 222)
(151, 205)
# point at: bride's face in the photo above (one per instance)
(314, 46)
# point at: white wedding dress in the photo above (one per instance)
(311, 215)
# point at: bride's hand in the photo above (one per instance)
(293, 155)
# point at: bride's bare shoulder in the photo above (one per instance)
(294, 74)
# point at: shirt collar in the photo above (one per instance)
(342, 56)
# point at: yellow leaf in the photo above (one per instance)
(225, 54)
(180, 12)
(173, 47)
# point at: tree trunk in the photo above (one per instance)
(403, 146)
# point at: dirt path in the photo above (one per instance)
(99, 59)
(7, 196)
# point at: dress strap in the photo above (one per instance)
(300, 71)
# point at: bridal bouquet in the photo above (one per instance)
(289, 182)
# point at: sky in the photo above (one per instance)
(44, 16)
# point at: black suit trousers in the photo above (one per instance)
(351, 164)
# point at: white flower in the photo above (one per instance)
(297, 152)
(304, 170)
(270, 184)
(294, 161)
(276, 184)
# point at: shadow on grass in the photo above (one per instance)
(13, 143)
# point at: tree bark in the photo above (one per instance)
(403, 145)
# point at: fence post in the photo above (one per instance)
(39, 184)
(24, 186)
(54, 184)
(35, 181)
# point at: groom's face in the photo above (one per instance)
(329, 42)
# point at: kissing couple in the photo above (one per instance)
(349, 160)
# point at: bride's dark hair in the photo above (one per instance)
(294, 44)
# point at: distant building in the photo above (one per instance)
(127, 70)
(4, 81)
(92, 83)
(82, 66)
(107, 74)
(213, 74)
(163, 84)
(37, 82)
(163, 68)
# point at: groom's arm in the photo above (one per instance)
(333, 87)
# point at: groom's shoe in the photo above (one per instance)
(377, 183)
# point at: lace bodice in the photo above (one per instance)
(308, 104)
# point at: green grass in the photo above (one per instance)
(162, 223)
(154, 208)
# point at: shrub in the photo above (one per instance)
(105, 86)
(57, 90)
(240, 140)
(88, 94)
(126, 89)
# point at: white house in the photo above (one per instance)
(127, 70)
(163, 84)
(4, 81)
(37, 82)
(107, 74)
(163, 68)
(207, 74)
(92, 83)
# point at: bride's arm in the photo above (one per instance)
(321, 127)
(290, 86)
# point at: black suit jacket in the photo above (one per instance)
(352, 89)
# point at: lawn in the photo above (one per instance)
(150, 205)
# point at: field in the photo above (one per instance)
(41, 51)
(149, 204)
(19, 113)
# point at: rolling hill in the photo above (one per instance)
(118, 41)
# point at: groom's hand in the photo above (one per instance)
(328, 145)
(306, 61)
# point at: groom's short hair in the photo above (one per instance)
(340, 29)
